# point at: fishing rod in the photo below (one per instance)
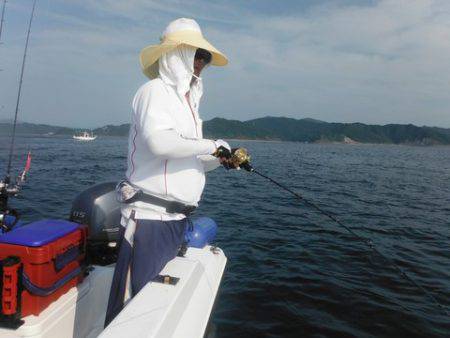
(2, 19)
(11, 149)
(1, 22)
(6, 187)
(241, 159)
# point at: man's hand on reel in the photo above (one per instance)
(223, 153)
(235, 158)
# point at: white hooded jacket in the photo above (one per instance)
(167, 155)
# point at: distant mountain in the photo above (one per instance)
(279, 128)
(31, 128)
(310, 130)
(110, 130)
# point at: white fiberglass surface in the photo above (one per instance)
(159, 310)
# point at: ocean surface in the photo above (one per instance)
(292, 272)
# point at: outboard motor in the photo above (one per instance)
(98, 208)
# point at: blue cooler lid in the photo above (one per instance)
(39, 233)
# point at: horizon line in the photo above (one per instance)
(9, 121)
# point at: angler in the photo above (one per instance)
(167, 157)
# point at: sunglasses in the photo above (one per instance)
(204, 55)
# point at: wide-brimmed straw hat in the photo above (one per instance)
(178, 32)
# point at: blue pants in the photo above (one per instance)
(155, 244)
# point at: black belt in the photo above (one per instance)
(172, 207)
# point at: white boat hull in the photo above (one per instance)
(158, 310)
(84, 138)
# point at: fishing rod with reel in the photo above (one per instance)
(9, 216)
(8, 188)
(240, 159)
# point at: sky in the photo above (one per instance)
(375, 62)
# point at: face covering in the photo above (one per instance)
(196, 92)
(176, 68)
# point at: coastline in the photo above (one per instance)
(318, 142)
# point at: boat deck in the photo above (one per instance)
(158, 310)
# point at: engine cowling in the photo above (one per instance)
(98, 208)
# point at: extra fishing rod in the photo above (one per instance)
(2, 19)
(6, 187)
(241, 159)
(1, 22)
(11, 149)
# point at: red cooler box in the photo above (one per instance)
(39, 262)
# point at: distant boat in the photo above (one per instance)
(85, 136)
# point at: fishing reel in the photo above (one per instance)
(236, 159)
(7, 189)
(8, 216)
(240, 159)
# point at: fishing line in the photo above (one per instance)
(368, 242)
(240, 158)
(11, 149)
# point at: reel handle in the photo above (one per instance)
(240, 158)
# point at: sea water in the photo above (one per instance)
(292, 272)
